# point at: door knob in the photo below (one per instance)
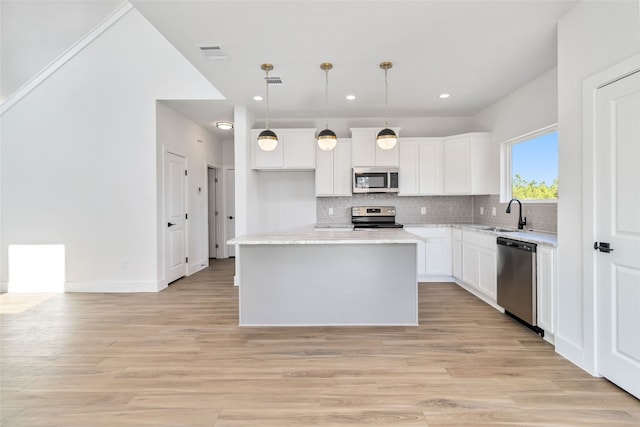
(170, 224)
(602, 247)
(230, 217)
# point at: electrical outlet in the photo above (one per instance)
(423, 210)
(493, 210)
(481, 210)
(330, 211)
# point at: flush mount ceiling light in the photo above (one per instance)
(444, 96)
(327, 139)
(224, 125)
(267, 140)
(350, 97)
(386, 138)
(257, 98)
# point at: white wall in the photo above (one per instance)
(79, 158)
(287, 200)
(34, 33)
(592, 36)
(179, 135)
(531, 107)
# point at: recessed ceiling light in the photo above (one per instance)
(224, 125)
(257, 98)
(444, 95)
(351, 97)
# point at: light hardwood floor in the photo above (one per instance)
(178, 358)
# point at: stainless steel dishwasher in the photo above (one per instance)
(517, 281)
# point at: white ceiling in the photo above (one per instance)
(478, 51)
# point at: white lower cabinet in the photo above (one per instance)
(546, 274)
(479, 256)
(457, 253)
(434, 253)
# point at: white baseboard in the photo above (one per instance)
(113, 287)
(479, 294)
(197, 266)
(434, 279)
(4, 286)
(574, 354)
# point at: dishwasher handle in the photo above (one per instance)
(516, 244)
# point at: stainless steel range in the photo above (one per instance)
(372, 217)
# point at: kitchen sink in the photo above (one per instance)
(499, 229)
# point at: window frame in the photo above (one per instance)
(506, 168)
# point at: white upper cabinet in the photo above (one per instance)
(296, 150)
(365, 151)
(467, 164)
(333, 170)
(420, 172)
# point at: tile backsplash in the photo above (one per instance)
(540, 216)
(440, 210)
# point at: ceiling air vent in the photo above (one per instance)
(273, 80)
(212, 52)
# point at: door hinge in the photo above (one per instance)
(186, 216)
(217, 246)
(186, 259)
(185, 172)
(216, 214)
(215, 180)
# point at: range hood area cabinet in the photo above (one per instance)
(467, 167)
(333, 170)
(296, 150)
(365, 152)
(420, 171)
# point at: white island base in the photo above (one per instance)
(327, 284)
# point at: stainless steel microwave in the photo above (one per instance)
(375, 180)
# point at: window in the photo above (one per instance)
(530, 167)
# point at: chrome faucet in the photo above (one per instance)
(521, 222)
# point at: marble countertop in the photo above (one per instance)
(531, 236)
(317, 236)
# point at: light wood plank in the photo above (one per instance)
(179, 358)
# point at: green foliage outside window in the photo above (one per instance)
(532, 190)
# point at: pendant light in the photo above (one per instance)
(386, 138)
(267, 140)
(327, 139)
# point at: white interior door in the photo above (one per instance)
(213, 212)
(175, 217)
(230, 209)
(618, 225)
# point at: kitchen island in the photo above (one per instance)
(327, 278)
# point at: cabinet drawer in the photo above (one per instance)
(487, 241)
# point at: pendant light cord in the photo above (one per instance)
(386, 97)
(266, 83)
(326, 99)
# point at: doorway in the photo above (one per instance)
(230, 210)
(610, 211)
(618, 210)
(213, 213)
(175, 181)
